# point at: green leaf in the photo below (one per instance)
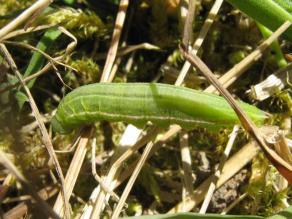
(37, 60)
(267, 12)
(21, 98)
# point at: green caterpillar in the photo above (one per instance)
(138, 103)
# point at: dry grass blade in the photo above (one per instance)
(188, 27)
(231, 167)
(96, 176)
(186, 165)
(128, 49)
(74, 169)
(23, 17)
(132, 179)
(218, 170)
(233, 204)
(45, 136)
(115, 40)
(25, 31)
(229, 77)
(100, 201)
(27, 185)
(199, 41)
(284, 168)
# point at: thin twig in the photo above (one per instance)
(45, 136)
(25, 31)
(188, 27)
(96, 176)
(128, 49)
(40, 4)
(218, 170)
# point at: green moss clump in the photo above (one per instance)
(86, 68)
(82, 24)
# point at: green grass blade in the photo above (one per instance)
(275, 46)
(37, 60)
(267, 12)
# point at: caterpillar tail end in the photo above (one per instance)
(58, 127)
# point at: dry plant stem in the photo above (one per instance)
(128, 49)
(132, 180)
(27, 185)
(74, 169)
(96, 176)
(186, 165)
(233, 204)
(25, 31)
(188, 26)
(40, 4)
(99, 204)
(199, 41)
(229, 77)
(53, 61)
(231, 167)
(183, 11)
(115, 40)
(45, 136)
(21, 209)
(218, 170)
